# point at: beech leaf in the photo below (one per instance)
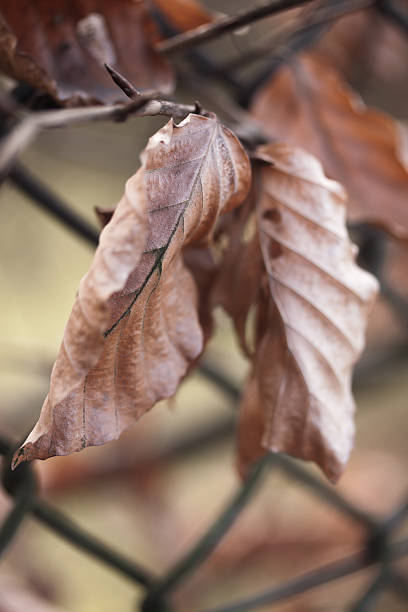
(237, 285)
(60, 48)
(134, 328)
(299, 398)
(309, 105)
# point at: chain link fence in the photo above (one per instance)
(380, 548)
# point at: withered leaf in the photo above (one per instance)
(365, 43)
(299, 397)
(60, 47)
(134, 328)
(308, 104)
(204, 269)
(238, 280)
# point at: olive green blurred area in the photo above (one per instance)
(134, 493)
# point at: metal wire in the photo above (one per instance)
(379, 547)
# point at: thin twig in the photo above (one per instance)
(30, 125)
(49, 201)
(212, 30)
(322, 575)
(125, 85)
(204, 547)
(303, 37)
(281, 43)
(201, 63)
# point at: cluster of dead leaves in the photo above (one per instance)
(136, 325)
(60, 48)
(197, 227)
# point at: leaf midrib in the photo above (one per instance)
(161, 252)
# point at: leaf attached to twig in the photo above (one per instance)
(134, 328)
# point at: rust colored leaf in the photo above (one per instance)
(60, 47)
(365, 43)
(184, 15)
(134, 327)
(300, 394)
(309, 105)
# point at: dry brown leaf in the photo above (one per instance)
(300, 393)
(134, 327)
(184, 15)
(204, 269)
(237, 284)
(61, 47)
(365, 44)
(308, 104)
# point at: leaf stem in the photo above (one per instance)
(30, 125)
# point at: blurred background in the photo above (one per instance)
(150, 494)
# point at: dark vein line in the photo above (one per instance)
(164, 249)
(165, 208)
(175, 165)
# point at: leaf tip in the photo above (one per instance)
(19, 456)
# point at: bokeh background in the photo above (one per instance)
(135, 493)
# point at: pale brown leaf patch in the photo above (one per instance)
(314, 319)
(60, 48)
(134, 329)
(308, 104)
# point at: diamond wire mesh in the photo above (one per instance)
(379, 549)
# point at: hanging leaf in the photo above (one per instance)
(364, 43)
(307, 104)
(60, 48)
(299, 398)
(134, 327)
